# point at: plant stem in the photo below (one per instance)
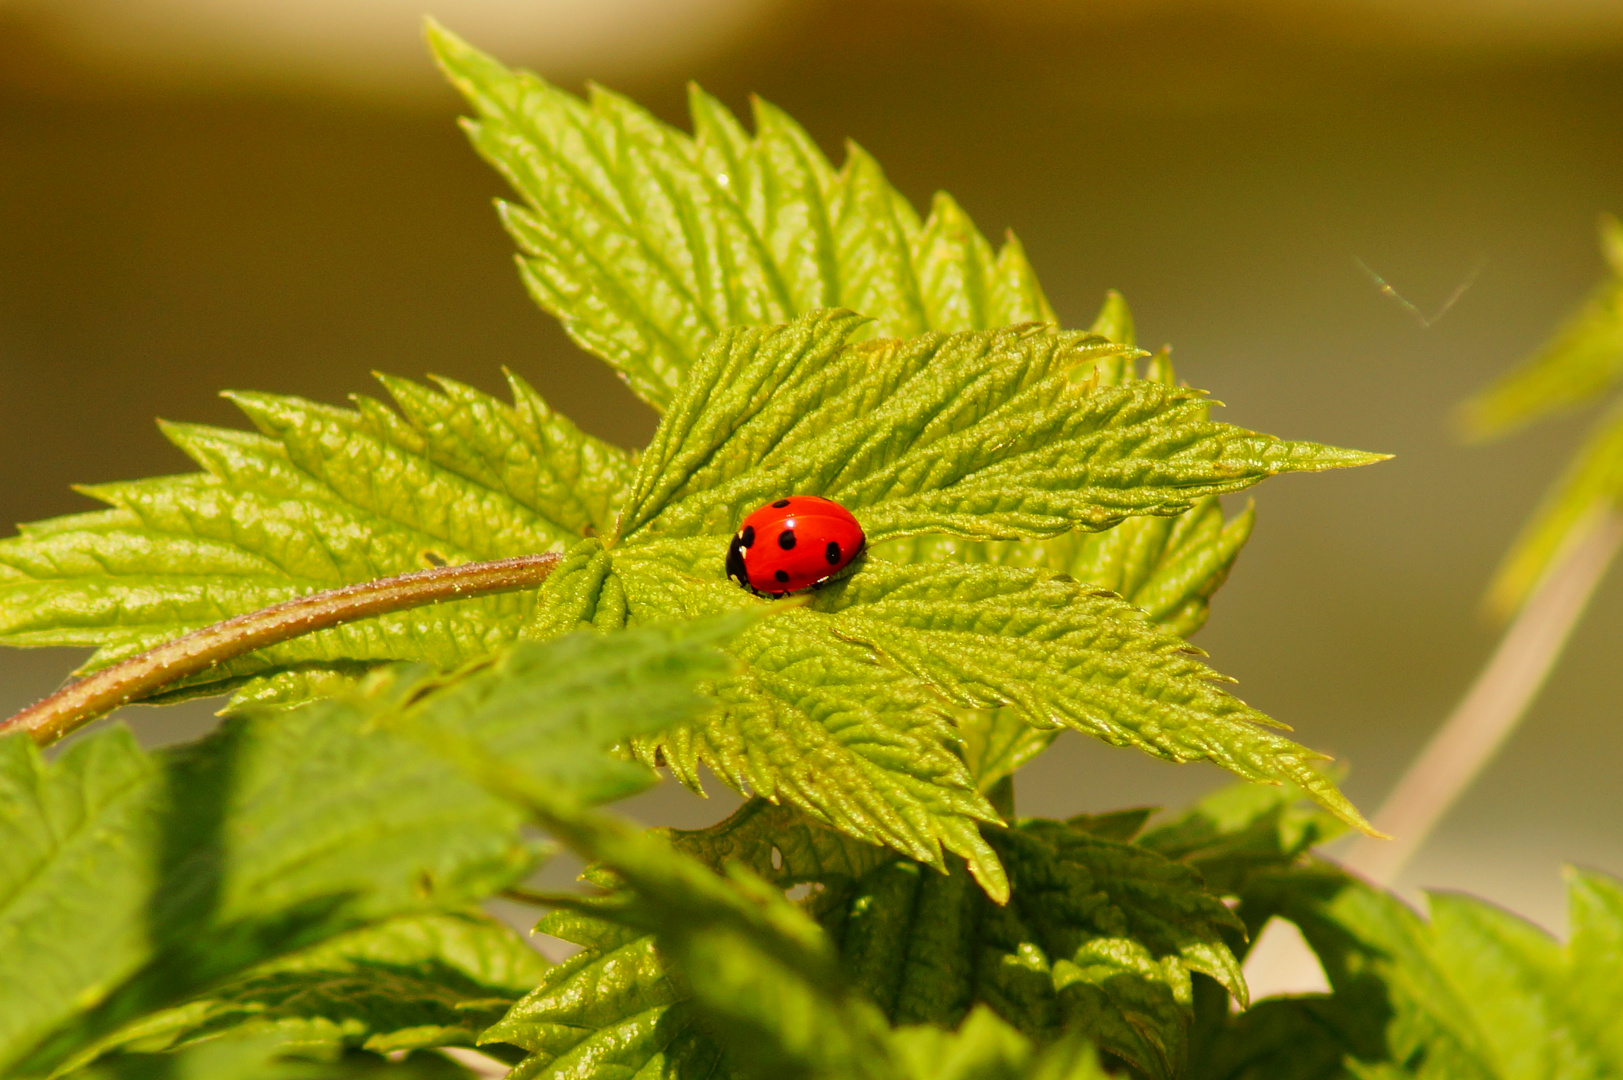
(130, 680)
(1280, 962)
(1493, 706)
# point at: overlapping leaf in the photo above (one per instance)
(1099, 939)
(615, 1004)
(427, 981)
(136, 882)
(1240, 831)
(133, 882)
(1476, 992)
(647, 242)
(322, 497)
(263, 1058)
(759, 976)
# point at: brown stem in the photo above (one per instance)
(1494, 705)
(80, 702)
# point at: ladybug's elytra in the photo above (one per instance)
(793, 544)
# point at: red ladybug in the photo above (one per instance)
(793, 544)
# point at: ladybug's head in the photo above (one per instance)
(735, 556)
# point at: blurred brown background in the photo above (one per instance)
(200, 194)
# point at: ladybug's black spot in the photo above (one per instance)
(747, 537)
(786, 539)
(832, 554)
(781, 575)
(781, 503)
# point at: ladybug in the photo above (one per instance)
(793, 544)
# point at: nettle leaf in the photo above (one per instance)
(1166, 567)
(717, 974)
(987, 433)
(322, 497)
(1582, 360)
(1099, 940)
(410, 983)
(615, 1003)
(1240, 831)
(1169, 567)
(1476, 992)
(1063, 653)
(612, 1006)
(986, 1048)
(262, 1058)
(647, 242)
(1589, 489)
(983, 435)
(135, 883)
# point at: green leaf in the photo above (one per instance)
(761, 982)
(1476, 992)
(135, 883)
(1099, 938)
(261, 1059)
(615, 1002)
(1591, 487)
(993, 432)
(559, 708)
(1594, 975)
(983, 435)
(1298, 1038)
(1240, 831)
(780, 846)
(1169, 567)
(426, 981)
(1582, 360)
(611, 1006)
(986, 1048)
(1102, 938)
(322, 497)
(646, 242)
(1064, 654)
(761, 973)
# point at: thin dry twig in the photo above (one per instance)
(1426, 322)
